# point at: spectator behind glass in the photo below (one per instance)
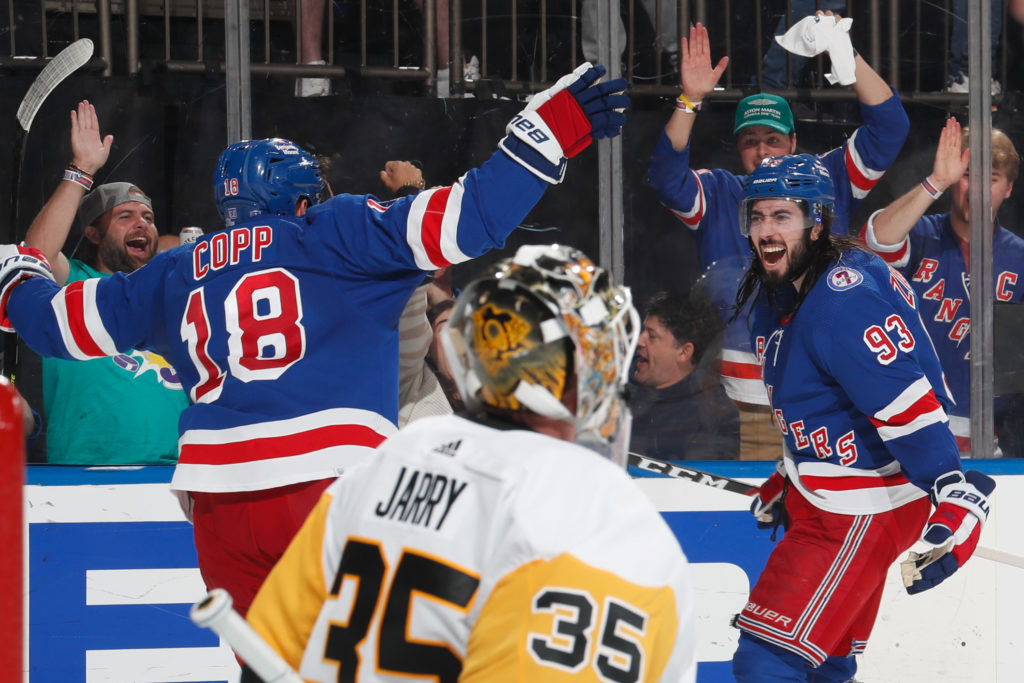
(668, 35)
(958, 81)
(933, 252)
(114, 410)
(707, 200)
(311, 31)
(680, 410)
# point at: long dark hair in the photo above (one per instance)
(824, 252)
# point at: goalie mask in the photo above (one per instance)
(264, 176)
(547, 332)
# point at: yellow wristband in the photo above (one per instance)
(683, 104)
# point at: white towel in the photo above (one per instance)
(820, 33)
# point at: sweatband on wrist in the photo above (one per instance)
(77, 175)
(932, 191)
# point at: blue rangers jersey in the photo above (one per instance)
(935, 261)
(707, 202)
(283, 330)
(857, 390)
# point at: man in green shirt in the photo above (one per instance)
(122, 409)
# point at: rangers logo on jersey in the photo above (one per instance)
(842, 278)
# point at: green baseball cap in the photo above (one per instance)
(764, 109)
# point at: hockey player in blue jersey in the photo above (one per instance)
(858, 394)
(706, 200)
(284, 325)
(933, 253)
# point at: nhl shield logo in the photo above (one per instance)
(842, 278)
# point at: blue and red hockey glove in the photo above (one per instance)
(18, 263)
(560, 122)
(961, 508)
(769, 504)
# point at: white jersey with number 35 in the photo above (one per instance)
(461, 552)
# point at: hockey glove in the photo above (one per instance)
(560, 122)
(961, 508)
(17, 264)
(769, 505)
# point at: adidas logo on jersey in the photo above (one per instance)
(449, 449)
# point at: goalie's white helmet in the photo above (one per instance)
(540, 327)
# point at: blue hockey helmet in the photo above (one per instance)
(800, 178)
(264, 176)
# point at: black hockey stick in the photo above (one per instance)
(678, 471)
(736, 486)
(67, 61)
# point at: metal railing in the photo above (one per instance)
(523, 45)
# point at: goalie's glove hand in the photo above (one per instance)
(768, 505)
(560, 122)
(18, 263)
(961, 508)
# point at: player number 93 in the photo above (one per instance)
(883, 345)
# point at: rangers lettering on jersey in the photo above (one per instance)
(421, 492)
(856, 445)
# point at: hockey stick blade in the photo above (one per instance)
(678, 471)
(60, 67)
(216, 613)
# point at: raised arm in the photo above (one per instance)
(697, 78)
(89, 151)
(402, 178)
(891, 225)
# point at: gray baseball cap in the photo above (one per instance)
(105, 197)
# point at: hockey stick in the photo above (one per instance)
(1000, 556)
(216, 613)
(67, 61)
(677, 471)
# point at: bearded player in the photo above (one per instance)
(858, 393)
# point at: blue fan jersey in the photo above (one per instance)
(932, 258)
(707, 202)
(857, 389)
(283, 330)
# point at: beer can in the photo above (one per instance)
(190, 234)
